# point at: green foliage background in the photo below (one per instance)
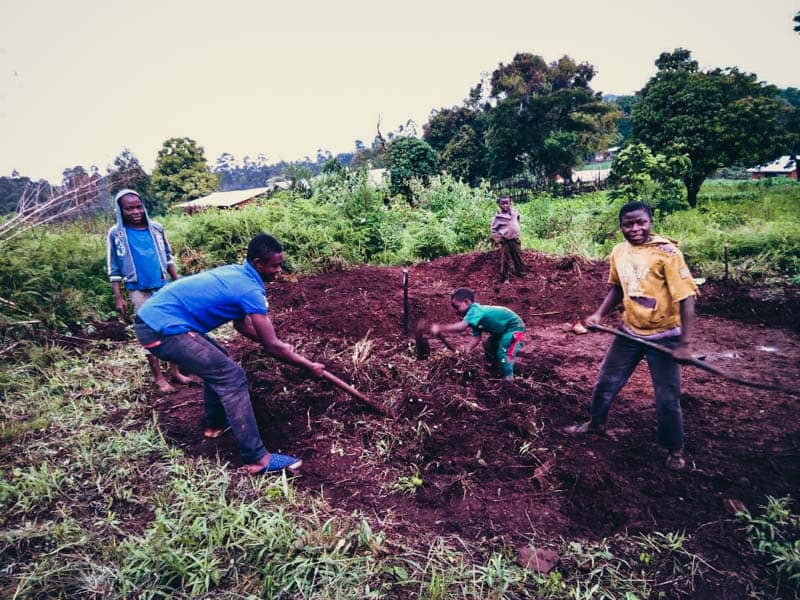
(57, 276)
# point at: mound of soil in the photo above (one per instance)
(459, 451)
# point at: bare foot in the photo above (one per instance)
(273, 462)
(179, 377)
(164, 386)
(259, 467)
(212, 434)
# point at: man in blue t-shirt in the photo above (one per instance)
(174, 326)
(139, 259)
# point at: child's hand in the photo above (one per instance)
(592, 319)
(683, 352)
(122, 307)
(316, 368)
(435, 329)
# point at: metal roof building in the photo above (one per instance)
(231, 199)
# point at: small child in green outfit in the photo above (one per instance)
(504, 326)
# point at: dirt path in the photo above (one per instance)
(493, 465)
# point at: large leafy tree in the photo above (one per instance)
(545, 117)
(444, 124)
(464, 156)
(408, 158)
(625, 105)
(790, 117)
(717, 118)
(181, 172)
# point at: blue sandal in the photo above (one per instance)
(279, 462)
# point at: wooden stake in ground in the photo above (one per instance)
(405, 301)
(421, 345)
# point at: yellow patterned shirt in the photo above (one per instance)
(654, 279)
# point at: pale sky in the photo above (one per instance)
(80, 80)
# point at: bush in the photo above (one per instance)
(56, 276)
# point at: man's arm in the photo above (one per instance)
(613, 297)
(245, 327)
(259, 328)
(119, 300)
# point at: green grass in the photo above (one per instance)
(95, 503)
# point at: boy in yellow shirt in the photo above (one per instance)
(650, 277)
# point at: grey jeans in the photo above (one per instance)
(225, 393)
(617, 367)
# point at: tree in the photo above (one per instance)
(545, 117)
(638, 174)
(181, 173)
(717, 118)
(790, 117)
(332, 167)
(127, 172)
(407, 158)
(464, 156)
(444, 124)
(625, 105)
(87, 190)
(11, 188)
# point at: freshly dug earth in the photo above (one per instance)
(471, 455)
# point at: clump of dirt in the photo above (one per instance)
(473, 455)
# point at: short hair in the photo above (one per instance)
(462, 294)
(261, 246)
(632, 206)
(504, 198)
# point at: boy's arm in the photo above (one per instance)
(259, 327)
(613, 297)
(475, 341)
(438, 328)
(687, 325)
(495, 230)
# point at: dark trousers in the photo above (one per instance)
(619, 363)
(511, 254)
(502, 349)
(226, 397)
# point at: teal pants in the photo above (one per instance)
(502, 350)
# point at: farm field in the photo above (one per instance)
(461, 453)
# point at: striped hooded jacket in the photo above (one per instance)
(119, 261)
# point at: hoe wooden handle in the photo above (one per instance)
(346, 387)
(691, 361)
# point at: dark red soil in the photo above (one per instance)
(495, 467)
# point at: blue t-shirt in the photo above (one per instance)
(207, 300)
(149, 275)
